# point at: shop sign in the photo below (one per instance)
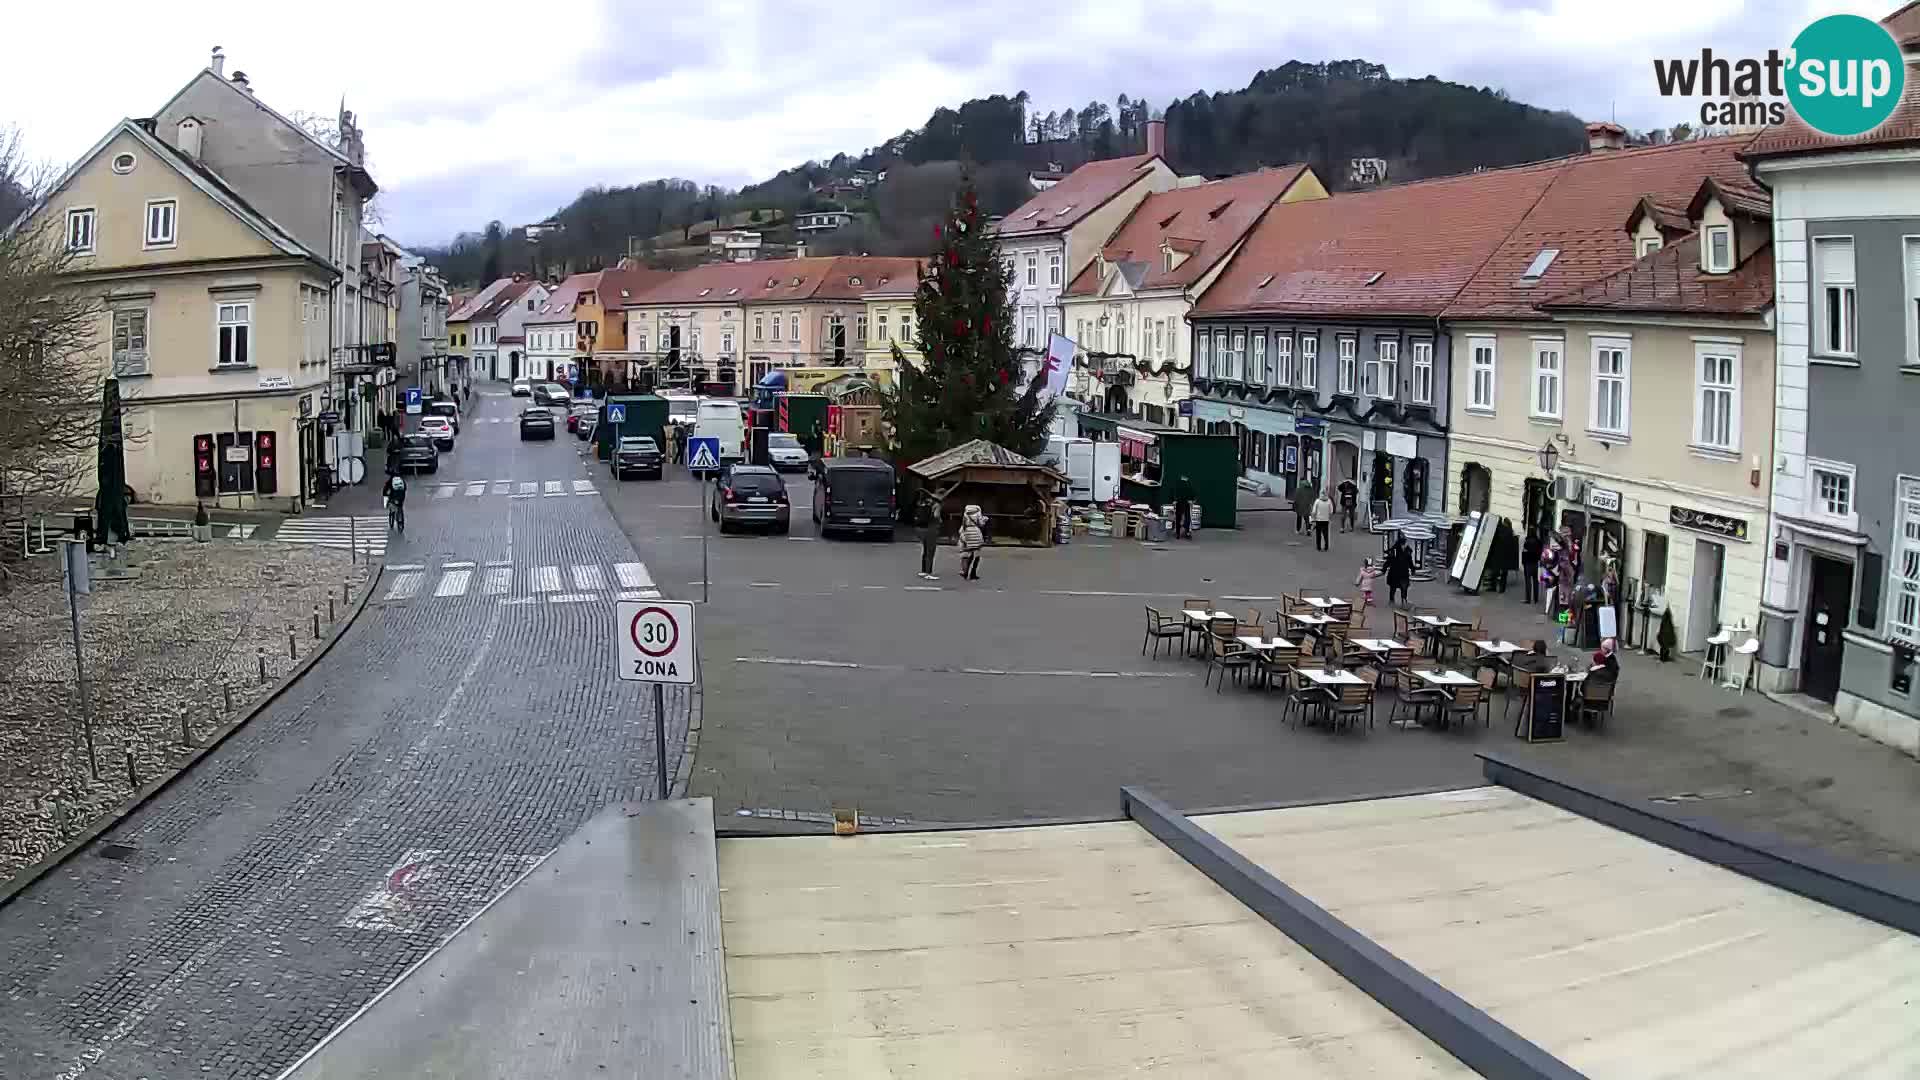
(1605, 500)
(1732, 528)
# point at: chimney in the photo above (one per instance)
(219, 65)
(188, 141)
(240, 80)
(1605, 135)
(1157, 138)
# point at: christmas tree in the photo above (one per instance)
(970, 386)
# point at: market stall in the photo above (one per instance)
(1016, 492)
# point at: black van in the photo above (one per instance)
(854, 495)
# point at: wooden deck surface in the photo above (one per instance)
(1623, 958)
(1077, 951)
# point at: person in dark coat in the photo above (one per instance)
(1349, 504)
(1183, 509)
(1303, 496)
(1502, 556)
(1530, 563)
(927, 522)
(1399, 571)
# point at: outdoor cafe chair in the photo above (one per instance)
(1467, 701)
(1252, 623)
(1195, 604)
(1353, 704)
(1412, 696)
(1161, 628)
(1275, 661)
(1402, 631)
(1289, 602)
(1228, 655)
(1303, 694)
(1596, 700)
(1220, 631)
(1341, 613)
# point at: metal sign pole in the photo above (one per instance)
(660, 736)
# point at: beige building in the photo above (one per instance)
(214, 319)
(888, 324)
(1132, 299)
(1654, 387)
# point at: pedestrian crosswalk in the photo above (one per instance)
(575, 583)
(367, 533)
(510, 489)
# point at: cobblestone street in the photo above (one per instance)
(443, 746)
(184, 626)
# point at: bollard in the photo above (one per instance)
(260, 651)
(353, 541)
(293, 653)
(316, 622)
(226, 691)
(186, 732)
(330, 615)
(346, 591)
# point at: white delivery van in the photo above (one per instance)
(1105, 471)
(719, 418)
(1075, 457)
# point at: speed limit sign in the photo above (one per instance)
(654, 641)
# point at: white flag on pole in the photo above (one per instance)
(1060, 351)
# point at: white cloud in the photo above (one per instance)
(504, 110)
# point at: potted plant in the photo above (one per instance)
(202, 528)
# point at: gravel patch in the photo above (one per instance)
(184, 624)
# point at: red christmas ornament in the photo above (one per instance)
(959, 327)
(953, 258)
(987, 325)
(936, 232)
(1003, 376)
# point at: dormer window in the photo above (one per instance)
(1537, 269)
(1264, 282)
(1719, 249)
(1647, 246)
(1215, 213)
(733, 292)
(704, 292)
(854, 280)
(1064, 209)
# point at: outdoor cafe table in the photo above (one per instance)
(1445, 678)
(1329, 680)
(1378, 645)
(1438, 625)
(1322, 603)
(1499, 652)
(1260, 644)
(1198, 620)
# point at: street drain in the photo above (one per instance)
(118, 852)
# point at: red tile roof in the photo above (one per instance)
(501, 301)
(1579, 215)
(1204, 221)
(778, 280)
(1667, 219)
(1670, 281)
(1904, 24)
(559, 305)
(1403, 250)
(1083, 191)
(1902, 128)
(623, 283)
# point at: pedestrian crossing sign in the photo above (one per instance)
(703, 452)
(616, 414)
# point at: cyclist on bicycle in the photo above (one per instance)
(396, 495)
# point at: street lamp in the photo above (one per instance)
(1549, 457)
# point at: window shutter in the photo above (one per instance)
(1833, 261)
(1872, 572)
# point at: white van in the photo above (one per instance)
(720, 419)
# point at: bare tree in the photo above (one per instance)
(50, 377)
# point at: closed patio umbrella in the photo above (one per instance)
(110, 504)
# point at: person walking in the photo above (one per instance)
(1399, 572)
(927, 521)
(973, 537)
(1502, 556)
(1349, 504)
(1303, 494)
(1183, 510)
(1530, 564)
(1322, 521)
(1365, 580)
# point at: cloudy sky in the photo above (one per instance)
(481, 110)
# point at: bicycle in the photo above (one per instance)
(396, 516)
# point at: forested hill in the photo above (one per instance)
(1325, 114)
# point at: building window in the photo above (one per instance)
(1283, 359)
(161, 215)
(1648, 245)
(1258, 373)
(1834, 282)
(1008, 264)
(640, 341)
(235, 323)
(1830, 492)
(1481, 373)
(759, 327)
(1612, 367)
(1349, 348)
(1202, 355)
(793, 324)
(1053, 324)
(129, 342)
(1913, 301)
(880, 322)
(1423, 372)
(1546, 379)
(1030, 327)
(1053, 268)
(1382, 376)
(1719, 249)
(693, 338)
(1903, 572)
(1716, 410)
(1310, 361)
(776, 326)
(1033, 268)
(80, 231)
(860, 328)
(1120, 335)
(906, 326)
(1222, 356)
(1159, 337)
(1239, 356)
(726, 343)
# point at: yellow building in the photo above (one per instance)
(213, 318)
(888, 323)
